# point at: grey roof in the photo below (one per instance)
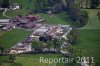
(5, 20)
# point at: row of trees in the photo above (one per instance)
(45, 5)
(88, 3)
(94, 3)
(5, 58)
(73, 37)
(39, 46)
(79, 16)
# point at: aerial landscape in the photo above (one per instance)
(49, 32)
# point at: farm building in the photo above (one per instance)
(15, 6)
(5, 21)
(20, 48)
(9, 26)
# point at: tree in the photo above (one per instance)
(41, 4)
(94, 3)
(1, 51)
(73, 38)
(11, 58)
(57, 43)
(5, 4)
(38, 46)
(82, 19)
(74, 12)
(72, 52)
(49, 44)
(57, 8)
(53, 2)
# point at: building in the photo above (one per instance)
(15, 6)
(5, 21)
(28, 25)
(21, 48)
(9, 26)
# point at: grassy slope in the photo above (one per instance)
(1, 16)
(26, 7)
(33, 60)
(2, 32)
(61, 18)
(12, 37)
(93, 20)
(89, 43)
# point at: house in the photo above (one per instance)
(41, 31)
(21, 48)
(5, 21)
(34, 17)
(9, 26)
(28, 25)
(15, 6)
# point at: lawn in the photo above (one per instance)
(12, 37)
(33, 60)
(26, 7)
(1, 16)
(61, 18)
(90, 43)
(93, 22)
(2, 32)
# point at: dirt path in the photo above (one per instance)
(4, 13)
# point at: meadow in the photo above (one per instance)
(89, 43)
(93, 22)
(33, 60)
(12, 37)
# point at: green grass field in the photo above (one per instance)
(10, 38)
(2, 32)
(1, 16)
(61, 18)
(33, 60)
(24, 61)
(89, 43)
(25, 9)
(93, 22)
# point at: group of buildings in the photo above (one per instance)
(38, 29)
(20, 21)
(58, 31)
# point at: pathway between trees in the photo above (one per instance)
(93, 22)
(4, 13)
